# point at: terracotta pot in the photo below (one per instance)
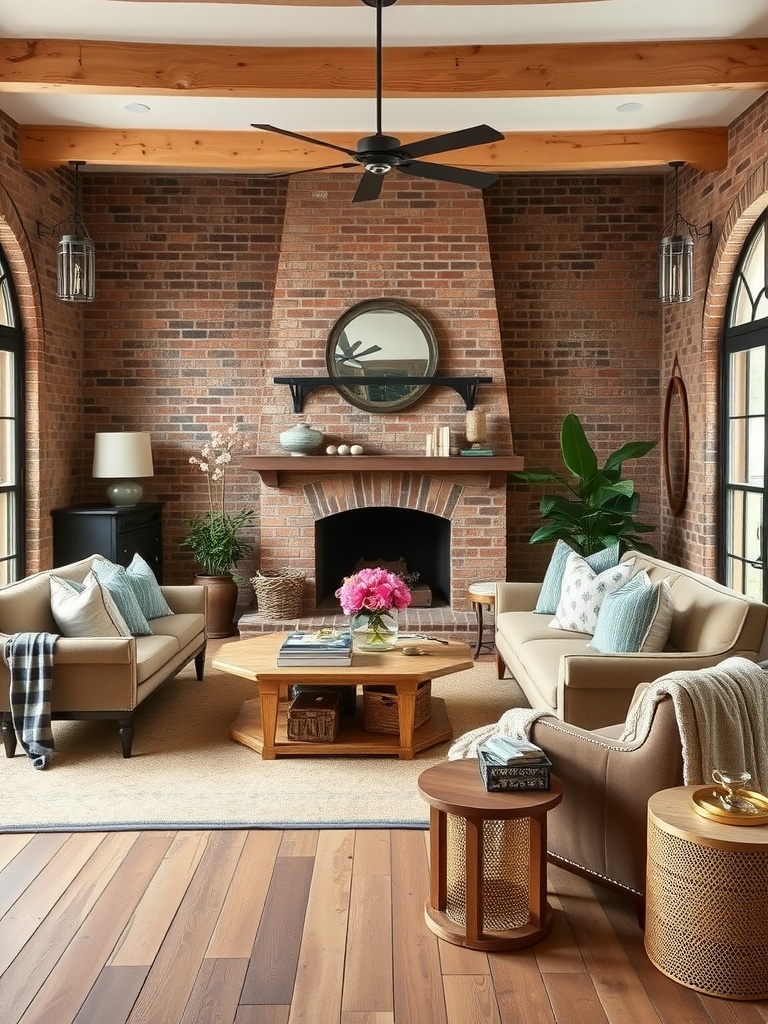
(222, 601)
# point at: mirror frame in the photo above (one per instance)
(372, 305)
(676, 495)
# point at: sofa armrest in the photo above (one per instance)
(186, 599)
(97, 650)
(516, 597)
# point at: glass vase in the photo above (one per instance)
(374, 631)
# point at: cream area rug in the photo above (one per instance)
(186, 772)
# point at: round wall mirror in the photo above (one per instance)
(676, 443)
(383, 340)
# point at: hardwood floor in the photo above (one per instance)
(324, 927)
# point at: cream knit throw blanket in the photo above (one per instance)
(516, 723)
(722, 714)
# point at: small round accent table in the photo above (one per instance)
(488, 872)
(706, 914)
(482, 595)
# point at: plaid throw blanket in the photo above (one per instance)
(29, 657)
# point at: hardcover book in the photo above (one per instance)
(323, 647)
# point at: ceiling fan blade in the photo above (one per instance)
(369, 188)
(304, 170)
(480, 135)
(302, 138)
(456, 175)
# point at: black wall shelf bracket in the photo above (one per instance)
(300, 387)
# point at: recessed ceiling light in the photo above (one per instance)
(136, 108)
(629, 108)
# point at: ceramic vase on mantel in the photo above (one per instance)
(301, 439)
(222, 602)
(374, 631)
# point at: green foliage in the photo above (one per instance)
(600, 507)
(214, 542)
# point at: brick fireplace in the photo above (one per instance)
(333, 255)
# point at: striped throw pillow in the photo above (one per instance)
(147, 589)
(114, 578)
(635, 618)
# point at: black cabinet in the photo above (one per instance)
(116, 533)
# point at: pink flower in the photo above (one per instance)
(373, 590)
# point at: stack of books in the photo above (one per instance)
(509, 764)
(323, 647)
(477, 451)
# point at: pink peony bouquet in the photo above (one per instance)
(373, 590)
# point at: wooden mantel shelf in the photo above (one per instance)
(270, 467)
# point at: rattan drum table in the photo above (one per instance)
(706, 916)
(488, 872)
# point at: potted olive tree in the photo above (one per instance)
(214, 537)
(599, 507)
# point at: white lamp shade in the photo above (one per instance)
(124, 454)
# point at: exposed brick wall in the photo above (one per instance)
(732, 199)
(575, 265)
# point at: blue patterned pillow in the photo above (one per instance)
(635, 618)
(584, 591)
(114, 579)
(551, 588)
(147, 589)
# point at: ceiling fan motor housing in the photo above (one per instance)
(379, 153)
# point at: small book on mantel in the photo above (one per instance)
(477, 451)
(322, 647)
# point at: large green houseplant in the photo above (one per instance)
(600, 507)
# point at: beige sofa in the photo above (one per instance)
(558, 672)
(103, 677)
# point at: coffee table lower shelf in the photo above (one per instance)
(352, 738)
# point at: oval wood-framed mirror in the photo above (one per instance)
(381, 338)
(676, 440)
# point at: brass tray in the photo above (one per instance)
(705, 801)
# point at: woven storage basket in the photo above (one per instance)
(279, 592)
(380, 708)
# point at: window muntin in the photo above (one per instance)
(11, 431)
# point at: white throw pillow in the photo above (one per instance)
(584, 591)
(85, 611)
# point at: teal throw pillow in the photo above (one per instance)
(636, 618)
(114, 579)
(147, 589)
(551, 588)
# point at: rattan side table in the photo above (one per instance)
(706, 916)
(488, 871)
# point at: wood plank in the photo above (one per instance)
(470, 999)
(180, 957)
(460, 960)
(275, 953)
(66, 987)
(39, 957)
(44, 147)
(112, 996)
(320, 970)
(416, 962)
(299, 72)
(558, 951)
(238, 923)
(520, 992)
(26, 914)
(262, 1015)
(367, 1017)
(299, 842)
(20, 872)
(573, 999)
(216, 992)
(144, 934)
(11, 844)
(368, 960)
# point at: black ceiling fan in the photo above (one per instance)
(379, 153)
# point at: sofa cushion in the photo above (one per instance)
(85, 610)
(637, 617)
(584, 591)
(146, 589)
(152, 654)
(551, 588)
(541, 660)
(114, 578)
(184, 627)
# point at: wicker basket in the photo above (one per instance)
(279, 592)
(380, 708)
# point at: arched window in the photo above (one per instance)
(11, 431)
(744, 423)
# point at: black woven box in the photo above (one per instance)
(314, 717)
(499, 778)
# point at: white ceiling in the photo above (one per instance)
(405, 24)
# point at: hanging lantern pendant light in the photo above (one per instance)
(77, 255)
(676, 253)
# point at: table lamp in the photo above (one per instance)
(120, 457)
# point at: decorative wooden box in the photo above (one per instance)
(314, 717)
(500, 777)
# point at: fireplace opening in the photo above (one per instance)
(384, 534)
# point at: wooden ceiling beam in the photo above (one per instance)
(356, 3)
(46, 147)
(562, 69)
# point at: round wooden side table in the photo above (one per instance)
(488, 872)
(706, 911)
(482, 595)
